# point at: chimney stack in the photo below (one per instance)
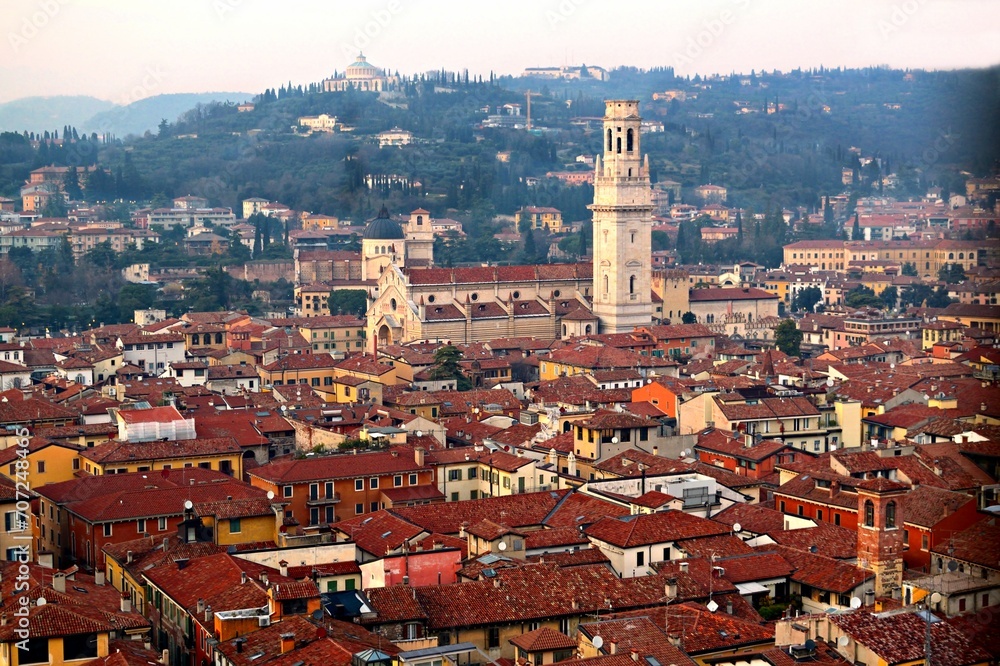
(671, 588)
(98, 577)
(165, 657)
(126, 604)
(201, 605)
(283, 568)
(59, 581)
(287, 643)
(418, 455)
(209, 614)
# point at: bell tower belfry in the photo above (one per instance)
(623, 218)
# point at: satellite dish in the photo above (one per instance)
(737, 527)
(317, 615)
(936, 598)
(188, 504)
(813, 548)
(502, 545)
(810, 644)
(598, 642)
(843, 641)
(855, 602)
(419, 433)
(712, 606)
(40, 601)
(953, 565)
(829, 382)
(270, 494)
(614, 440)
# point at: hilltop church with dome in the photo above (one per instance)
(611, 294)
(361, 75)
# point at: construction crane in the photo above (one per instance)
(528, 95)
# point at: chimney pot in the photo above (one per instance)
(126, 604)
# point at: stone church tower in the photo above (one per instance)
(880, 533)
(623, 218)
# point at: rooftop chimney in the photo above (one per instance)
(684, 567)
(59, 581)
(283, 568)
(165, 657)
(729, 606)
(263, 578)
(208, 614)
(671, 588)
(126, 604)
(98, 577)
(201, 605)
(287, 643)
(418, 455)
(243, 577)
(612, 647)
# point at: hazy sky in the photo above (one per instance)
(123, 50)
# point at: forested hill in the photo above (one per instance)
(772, 139)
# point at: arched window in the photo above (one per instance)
(629, 140)
(951, 255)
(218, 338)
(609, 140)
(588, 329)
(564, 329)
(890, 514)
(420, 220)
(631, 284)
(869, 514)
(618, 145)
(961, 255)
(605, 284)
(972, 255)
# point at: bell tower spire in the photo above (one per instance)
(623, 218)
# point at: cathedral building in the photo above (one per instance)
(613, 294)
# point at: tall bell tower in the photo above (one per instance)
(623, 218)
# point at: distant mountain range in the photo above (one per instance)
(89, 114)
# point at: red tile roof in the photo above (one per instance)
(899, 638)
(654, 528)
(133, 452)
(821, 572)
(524, 510)
(543, 640)
(337, 466)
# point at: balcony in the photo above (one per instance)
(323, 500)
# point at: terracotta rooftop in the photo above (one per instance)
(655, 528)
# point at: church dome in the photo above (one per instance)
(384, 228)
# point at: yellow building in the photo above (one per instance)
(347, 389)
(219, 453)
(48, 462)
(329, 333)
(928, 257)
(986, 317)
(586, 359)
(318, 222)
(367, 368)
(940, 331)
(540, 217)
(314, 370)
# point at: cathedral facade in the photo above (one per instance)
(612, 294)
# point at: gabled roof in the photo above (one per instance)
(634, 531)
(543, 640)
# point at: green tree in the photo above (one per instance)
(889, 297)
(787, 337)
(348, 302)
(952, 274)
(55, 206)
(862, 297)
(71, 184)
(689, 318)
(910, 269)
(807, 298)
(446, 366)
